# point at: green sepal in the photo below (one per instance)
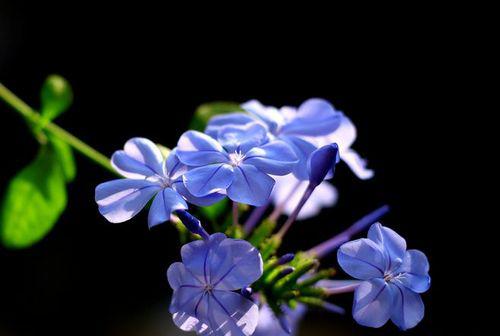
(262, 232)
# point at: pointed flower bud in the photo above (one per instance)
(284, 272)
(284, 259)
(285, 323)
(322, 163)
(247, 292)
(192, 223)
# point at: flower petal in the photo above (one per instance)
(233, 119)
(197, 149)
(314, 117)
(178, 275)
(196, 254)
(362, 259)
(303, 150)
(173, 167)
(207, 200)
(275, 158)
(356, 164)
(140, 158)
(232, 314)
(119, 200)
(250, 186)
(268, 114)
(390, 242)
(234, 264)
(209, 179)
(242, 138)
(414, 271)
(165, 202)
(408, 308)
(373, 302)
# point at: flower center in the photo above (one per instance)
(236, 158)
(208, 288)
(388, 277)
(163, 181)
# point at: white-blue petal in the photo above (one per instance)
(198, 149)
(140, 158)
(373, 303)
(268, 114)
(119, 200)
(362, 259)
(242, 138)
(408, 308)
(207, 200)
(275, 158)
(234, 264)
(391, 243)
(414, 271)
(230, 119)
(303, 150)
(314, 117)
(250, 186)
(230, 313)
(206, 180)
(165, 202)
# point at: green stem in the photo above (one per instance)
(33, 117)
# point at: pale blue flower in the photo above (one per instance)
(239, 163)
(269, 324)
(393, 278)
(314, 118)
(205, 284)
(344, 136)
(147, 176)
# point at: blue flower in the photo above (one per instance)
(393, 278)
(238, 163)
(204, 284)
(315, 117)
(148, 176)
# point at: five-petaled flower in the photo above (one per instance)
(147, 175)
(205, 282)
(315, 117)
(393, 278)
(238, 163)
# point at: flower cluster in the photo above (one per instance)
(233, 281)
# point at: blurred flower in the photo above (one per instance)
(288, 191)
(393, 278)
(344, 136)
(147, 176)
(239, 162)
(315, 117)
(204, 283)
(269, 324)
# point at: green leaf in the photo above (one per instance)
(212, 212)
(34, 200)
(56, 96)
(206, 111)
(65, 157)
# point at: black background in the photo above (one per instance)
(143, 74)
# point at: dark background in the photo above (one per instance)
(143, 74)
